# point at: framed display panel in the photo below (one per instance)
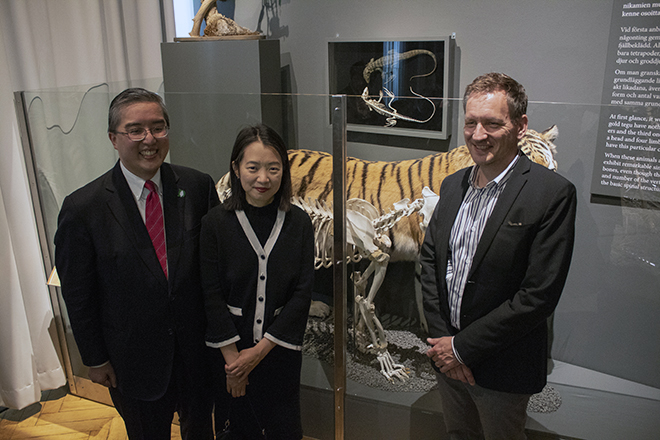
(394, 87)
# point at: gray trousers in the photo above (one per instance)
(472, 412)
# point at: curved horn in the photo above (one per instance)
(199, 17)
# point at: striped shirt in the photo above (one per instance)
(466, 232)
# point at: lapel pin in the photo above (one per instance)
(182, 193)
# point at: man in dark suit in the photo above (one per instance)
(135, 301)
(494, 262)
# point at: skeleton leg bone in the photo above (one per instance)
(390, 369)
(367, 318)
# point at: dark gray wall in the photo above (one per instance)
(218, 78)
(607, 319)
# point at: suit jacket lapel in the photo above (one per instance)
(126, 213)
(123, 206)
(174, 204)
(515, 184)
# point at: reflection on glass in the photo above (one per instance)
(70, 147)
(611, 296)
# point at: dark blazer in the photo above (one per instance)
(121, 306)
(516, 279)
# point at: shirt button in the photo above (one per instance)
(262, 277)
(263, 257)
(258, 321)
(261, 298)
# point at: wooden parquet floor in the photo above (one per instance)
(62, 416)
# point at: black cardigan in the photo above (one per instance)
(230, 271)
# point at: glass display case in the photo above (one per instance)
(365, 372)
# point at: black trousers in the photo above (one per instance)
(272, 401)
(152, 420)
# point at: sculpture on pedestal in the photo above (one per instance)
(217, 25)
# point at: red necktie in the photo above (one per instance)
(155, 225)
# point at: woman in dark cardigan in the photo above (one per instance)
(257, 257)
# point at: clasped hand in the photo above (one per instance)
(240, 367)
(442, 354)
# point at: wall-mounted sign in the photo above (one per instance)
(627, 161)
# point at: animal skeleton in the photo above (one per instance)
(386, 109)
(365, 233)
(391, 58)
(367, 238)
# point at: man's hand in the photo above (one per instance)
(462, 373)
(104, 375)
(442, 353)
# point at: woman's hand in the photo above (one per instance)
(235, 386)
(248, 359)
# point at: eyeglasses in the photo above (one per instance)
(139, 134)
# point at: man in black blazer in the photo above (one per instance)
(494, 262)
(139, 322)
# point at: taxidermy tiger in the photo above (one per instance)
(384, 183)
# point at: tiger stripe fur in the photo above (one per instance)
(383, 183)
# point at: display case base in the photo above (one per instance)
(594, 405)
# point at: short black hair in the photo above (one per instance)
(270, 138)
(128, 97)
